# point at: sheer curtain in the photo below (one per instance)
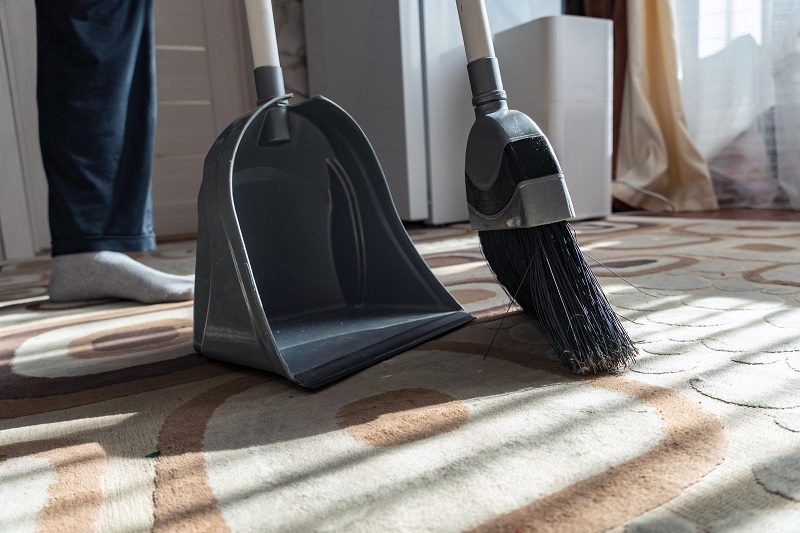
(741, 91)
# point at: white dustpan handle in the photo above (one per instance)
(475, 29)
(261, 24)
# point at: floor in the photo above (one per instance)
(109, 420)
(743, 214)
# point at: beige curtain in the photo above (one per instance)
(655, 151)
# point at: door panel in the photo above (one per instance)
(203, 80)
(182, 75)
(184, 128)
(180, 22)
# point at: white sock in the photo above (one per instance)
(100, 275)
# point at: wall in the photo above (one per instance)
(292, 46)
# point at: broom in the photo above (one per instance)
(519, 203)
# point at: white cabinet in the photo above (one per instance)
(398, 66)
(564, 83)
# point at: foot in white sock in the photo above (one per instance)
(100, 275)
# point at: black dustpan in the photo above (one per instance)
(303, 266)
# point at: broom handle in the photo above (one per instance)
(475, 29)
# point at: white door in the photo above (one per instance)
(204, 82)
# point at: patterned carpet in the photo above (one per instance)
(110, 422)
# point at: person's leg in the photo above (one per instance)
(96, 96)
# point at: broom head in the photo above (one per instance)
(519, 202)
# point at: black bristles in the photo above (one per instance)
(561, 291)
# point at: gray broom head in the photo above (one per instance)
(518, 200)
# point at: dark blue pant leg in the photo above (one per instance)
(97, 113)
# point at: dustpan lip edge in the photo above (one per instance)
(228, 219)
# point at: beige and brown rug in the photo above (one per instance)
(110, 422)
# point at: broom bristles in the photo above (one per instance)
(545, 268)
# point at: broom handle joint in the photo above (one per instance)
(484, 72)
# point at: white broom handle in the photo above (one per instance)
(263, 41)
(475, 29)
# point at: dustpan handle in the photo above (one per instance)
(264, 44)
(263, 41)
(482, 67)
